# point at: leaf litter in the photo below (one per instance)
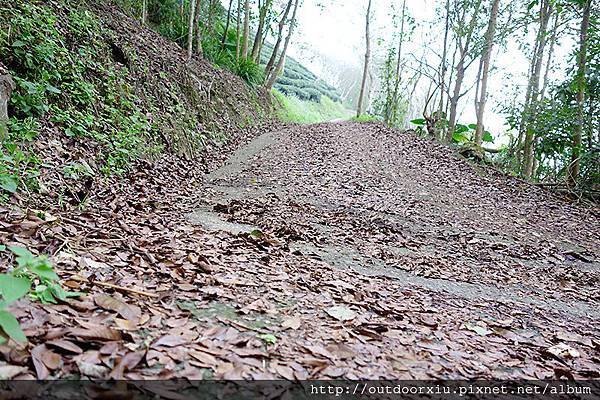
(152, 278)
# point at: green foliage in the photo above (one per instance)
(250, 71)
(64, 73)
(366, 118)
(293, 109)
(30, 271)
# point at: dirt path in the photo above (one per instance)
(327, 251)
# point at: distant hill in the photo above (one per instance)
(298, 81)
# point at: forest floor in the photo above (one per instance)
(337, 250)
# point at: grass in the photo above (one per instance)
(292, 109)
(366, 118)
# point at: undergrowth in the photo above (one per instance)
(292, 109)
(66, 78)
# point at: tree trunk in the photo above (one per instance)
(224, 39)
(246, 29)
(574, 166)
(271, 62)
(453, 100)
(197, 27)
(534, 88)
(394, 113)
(461, 68)
(553, 40)
(363, 84)
(489, 44)
(7, 85)
(262, 15)
(190, 49)
(444, 67)
(279, 68)
(237, 30)
(144, 11)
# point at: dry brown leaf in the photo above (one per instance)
(65, 345)
(170, 341)
(129, 312)
(126, 363)
(98, 332)
(291, 323)
(205, 358)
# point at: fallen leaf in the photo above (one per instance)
(129, 312)
(170, 341)
(65, 345)
(10, 371)
(96, 333)
(126, 363)
(563, 350)
(480, 330)
(341, 313)
(92, 370)
(291, 323)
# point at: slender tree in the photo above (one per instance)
(444, 66)
(394, 111)
(237, 30)
(363, 84)
(144, 11)
(485, 67)
(224, 38)
(465, 28)
(271, 63)
(533, 89)
(245, 38)
(574, 166)
(262, 15)
(197, 12)
(279, 68)
(190, 49)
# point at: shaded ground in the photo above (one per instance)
(335, 250)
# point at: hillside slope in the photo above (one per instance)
(96, 91)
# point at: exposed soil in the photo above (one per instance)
(327, 251)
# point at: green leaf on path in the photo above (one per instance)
(13, 288)
(418, 121)
(8, 183)
(10, 326)
(268, 338)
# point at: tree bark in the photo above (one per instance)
(534, 88)
(461, 68)
(197, 27)
(7, 85)
(444, 68)
(224, 39)
(190, 49)
(262, 15)
(246, 29)
(237, 30)
(363, 84)
(144, 11)
(279, 68)
(489, 44)
(574, 166)
(394, 113)
(271, 62)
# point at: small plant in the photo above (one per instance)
(268, 338)
(31, 271)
